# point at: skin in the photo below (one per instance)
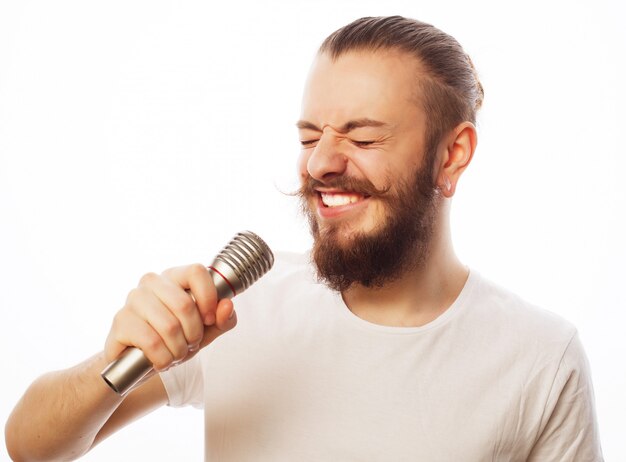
(361, 118)
(173, 315)
(170, 317)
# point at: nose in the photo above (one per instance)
(327, 159)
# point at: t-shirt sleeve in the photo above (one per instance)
(184, 384)
(569, 428)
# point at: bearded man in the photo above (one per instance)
(378, 345)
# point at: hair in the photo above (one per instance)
(452, 93)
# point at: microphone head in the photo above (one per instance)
(241, 263)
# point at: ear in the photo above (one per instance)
(458, 151)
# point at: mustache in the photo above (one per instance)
(356, 185)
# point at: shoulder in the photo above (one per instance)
(511, 333)
(522, 320)
(540, 350)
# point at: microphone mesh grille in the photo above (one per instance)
(248, 256)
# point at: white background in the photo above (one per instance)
(138, 135)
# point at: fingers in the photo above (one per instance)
(142, 336)
(225, 320)
(180, 316)
(170, 316)
(167, 311)
(198, 280)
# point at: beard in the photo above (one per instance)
(400, 243)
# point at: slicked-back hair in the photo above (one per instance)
(452, 93)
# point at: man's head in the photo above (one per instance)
(450, 89)
(386, 130)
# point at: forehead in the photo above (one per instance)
(380, 84)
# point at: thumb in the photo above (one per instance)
(225, 320)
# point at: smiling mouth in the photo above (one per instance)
(336, 199)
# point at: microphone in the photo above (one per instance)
(240, 264)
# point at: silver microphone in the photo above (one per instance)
(240, 264)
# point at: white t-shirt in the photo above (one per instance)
(301, 378)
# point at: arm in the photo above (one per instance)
(64, 414)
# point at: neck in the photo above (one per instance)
(419, 295)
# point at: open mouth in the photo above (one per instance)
(338, 199)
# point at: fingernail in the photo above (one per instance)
(193, 348)
(232, 314)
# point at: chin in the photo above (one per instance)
(346, 233)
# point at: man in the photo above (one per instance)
(389, 348)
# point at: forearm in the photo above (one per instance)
(61, 413)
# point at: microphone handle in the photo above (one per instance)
(132, 366)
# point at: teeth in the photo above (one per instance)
(335, 200)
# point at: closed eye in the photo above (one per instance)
(308, 143)
(362, 143)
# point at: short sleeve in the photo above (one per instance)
(569, 430)
(184, 384)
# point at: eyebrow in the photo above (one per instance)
(348, 126)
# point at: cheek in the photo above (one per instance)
(374, 169)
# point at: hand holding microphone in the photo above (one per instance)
(168, 318)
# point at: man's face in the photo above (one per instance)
(367, 184)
